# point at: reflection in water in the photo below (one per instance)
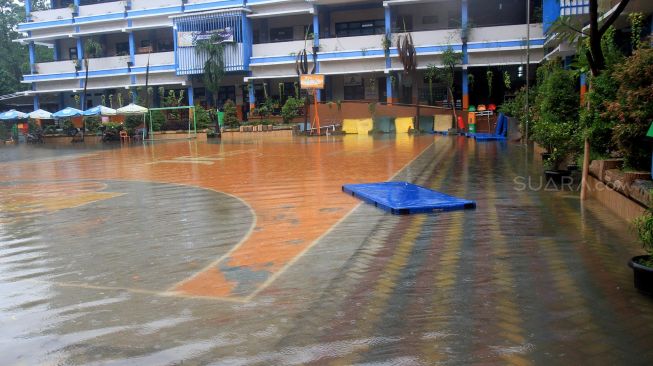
(143, 256)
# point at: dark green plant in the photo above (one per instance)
(516, 107)
(291, 109)
(555, 122)
(644, 227)
(203, 117)
(372, 108)
(633, 108)
(489, 75)
(92, 123)
(230, 114)
(636, 28)
(4, 132)
(157, 120)
(133, 122)
(214, 67)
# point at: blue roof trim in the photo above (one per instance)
(37, 77)
(158, 11)
(50, 23)
(213, 5)
(94, 18)
(109, 72)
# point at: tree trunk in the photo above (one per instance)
(586, 168)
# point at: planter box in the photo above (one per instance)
(640, 191)
(599, 167)
(615, 179)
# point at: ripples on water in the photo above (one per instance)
(527, 277)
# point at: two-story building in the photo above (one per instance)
(263, 37)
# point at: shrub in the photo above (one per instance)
(555, 122)
(92, 123)
(203, 118)
(4, 132)
(633, 108)
(230, 114)
(517, 107)
(644, 228)
(158, 119)
(292, 109)
(132, 123)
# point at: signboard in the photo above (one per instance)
(189, 39)
(311, 81)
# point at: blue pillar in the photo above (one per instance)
(550, 13)
(32, 55)
(191, 96)
(464, 21)
(55, 50)
(134, 94)
(62, 101)
(28, 10)
(248, 39)
(316, 44)
(252, 96)
(37, 105)
(80, 48)
(132, 48)
(76, 3)
(388, 61)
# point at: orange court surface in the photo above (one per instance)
(291, 184)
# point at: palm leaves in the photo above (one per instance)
(407, 53)
(214, 66)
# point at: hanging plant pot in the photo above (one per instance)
(642, 275)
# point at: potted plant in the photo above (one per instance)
(642, 265)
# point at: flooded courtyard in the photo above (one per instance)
(246, 252)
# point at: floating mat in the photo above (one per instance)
(442, 122)
(359, 126)
(403, 124)
(406, 198)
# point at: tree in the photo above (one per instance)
(214, 66)
(92, 49)
(574, 33)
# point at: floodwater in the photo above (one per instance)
(246, 252)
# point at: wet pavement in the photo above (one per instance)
(246, 252)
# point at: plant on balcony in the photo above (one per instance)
(636, 28)
(386, 43)
(214, 66)
(74, 9)
(489, 75)
(110, 100)
(507, 82)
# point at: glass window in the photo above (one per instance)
(360, 28)
(122, 48)
(72, 53)
(281, 34)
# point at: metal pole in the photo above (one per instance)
(528, 64)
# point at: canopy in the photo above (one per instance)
(67, 112)
(40, 114)
(13, 114)
(100, 110)
(132, 108)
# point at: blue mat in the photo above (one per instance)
(406, 198)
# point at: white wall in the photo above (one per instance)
(278, 48)
(443, 10)
(504, 33)
(104, 8)
(56, 67)
(351, 43)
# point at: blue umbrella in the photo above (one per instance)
(13, 115)
(67, 112)
(100, 110)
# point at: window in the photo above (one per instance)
(164, 46)
(145, 43)
(72, 53)
(122, 48)
(430, 19)
(403, 22)
(361, 28)
(281, 34)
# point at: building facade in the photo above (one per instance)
(354, 44)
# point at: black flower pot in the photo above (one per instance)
(642, 275)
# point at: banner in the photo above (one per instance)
(189, 39)
(311, 81)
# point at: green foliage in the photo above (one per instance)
(157, 120)
(445, 73)
(92, 123)
(372, 108)
(632, 108)
(507, 82)
(644, 227)
(5, 133)
(556, 112)
(133, 122)
(32, 126)
(264, 110)
(203, 118)
(517, 106)
(636, 28)
(489, 75)
(291, 109)
(214, 67)
(230, 114)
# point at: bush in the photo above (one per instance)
(157, 120)
(633, 108)
(555, 116)
(292, 109)
(644, 227)
(203, 118)
(230, 115)
(4, 132)
(92, 123)
(517, 107)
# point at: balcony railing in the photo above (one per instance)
(279, 48)
(101, 9)
(51, 14)
(107, 63)
(351, 43)
(153, 4)
(157, 58)
(56, 67)
(504, 33)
